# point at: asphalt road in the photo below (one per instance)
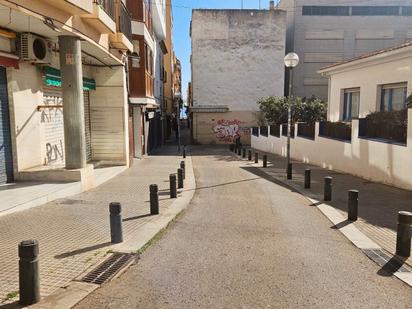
(245, 242)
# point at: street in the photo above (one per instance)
(246, 242)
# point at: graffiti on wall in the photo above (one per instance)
(228, 130)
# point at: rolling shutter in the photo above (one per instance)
(6, 158)
(87, 126)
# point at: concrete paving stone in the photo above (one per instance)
(74, 232)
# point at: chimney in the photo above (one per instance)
(271, 5)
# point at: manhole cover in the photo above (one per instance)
(109, 268)
(389, 263)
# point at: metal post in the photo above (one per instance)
(327, 194)
(154, 200)
(173, 188)
(231, 147)
(289, 118)
(289, 171)
(184, 152)
(183, 167)
(403, 236)
(250, 155)
(239, 151)
(29, 279)
(265, 161)
(353, 197)
(307, 178)
(244, 153)
(116, 230)
(256, 157)
(180, 178)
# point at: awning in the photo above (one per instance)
(53, 78)
(9, 60)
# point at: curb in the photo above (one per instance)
(350, 231)
(76, 291)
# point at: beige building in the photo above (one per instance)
(378, 81)
(324, 32)
(237, 58)
(63, 87)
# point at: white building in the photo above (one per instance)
(378, 81)
(237, 58)
(322, 33)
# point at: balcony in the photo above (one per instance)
(103, 16)
(122, 39)
(75, 7)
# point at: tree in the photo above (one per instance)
(275, 109)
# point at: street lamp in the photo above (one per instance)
(291, 60)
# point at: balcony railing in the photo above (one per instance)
(125, 25)
(108, 6)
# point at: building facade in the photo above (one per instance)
(322, 33)
(63, 89)
(168, 96)
(237, 58)
(380, 150)
(146, 75)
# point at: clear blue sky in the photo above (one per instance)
(182, 14)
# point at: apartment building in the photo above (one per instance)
(63, 89)
(168, 61)
(322, 33)
(147, 75)
(237, 58)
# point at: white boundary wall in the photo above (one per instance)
(370, 159)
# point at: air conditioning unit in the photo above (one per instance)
(35, 49)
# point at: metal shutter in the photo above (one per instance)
(6, 157)
(52, 118)
(87, 126)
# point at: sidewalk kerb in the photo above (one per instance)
(76, 291)
(351, 232)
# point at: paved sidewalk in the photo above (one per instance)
(74, 233)
(378, 204)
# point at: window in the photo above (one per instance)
(351, 98)
(326, 10)
(407, 10)
(375, 10)
(393, 97)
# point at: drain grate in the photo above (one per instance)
(387, 262)
(109, 268)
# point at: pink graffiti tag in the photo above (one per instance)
(227, 130)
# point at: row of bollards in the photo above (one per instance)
(28, 250)
(404, 227)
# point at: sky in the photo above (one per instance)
(182, 15)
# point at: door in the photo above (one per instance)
(6, 157)
(87, 125)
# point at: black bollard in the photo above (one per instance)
(265, 161)
(184, 152)
(327, 194)
(231, 147)
(353, 196)
(239, 151)
(250, 155)
(173, 188)
(116, 230)
(307, 178)
(256, 157)
(154, 200)
(179, 178)
(244, 153)
(403, 235)
(289, 171)
(29, 279)
(183, 167)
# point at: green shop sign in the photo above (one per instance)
(53, 78)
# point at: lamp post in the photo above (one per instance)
(291, 61)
